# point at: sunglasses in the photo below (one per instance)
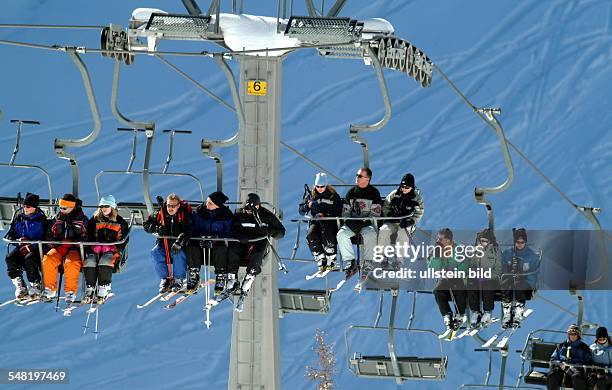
(172, 206)
(572, 334)
(361, 176)
(64, 208)
(320, 186)
(405, 186)
(104, 206)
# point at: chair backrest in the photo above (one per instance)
(541, 350)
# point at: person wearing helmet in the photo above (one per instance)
(105, 226)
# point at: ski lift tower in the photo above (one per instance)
(260, 44)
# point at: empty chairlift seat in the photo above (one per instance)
(304, 301)
(538, 356)
(410, 367)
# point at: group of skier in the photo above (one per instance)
(570, 355)
(185, 235)
(512, 275)
(335, 222)
(105, 232)
(232, 240)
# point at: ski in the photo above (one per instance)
(9, 302)
(452, 332)
(318, 274)
(239, 304)
(96, 304)
(184, 296)
(362, 281)
(150, 301)
(223, 295)
(349, 274)
(472, 331)
(71, 307)
(493, 338)
(504, 341)
(172, 294)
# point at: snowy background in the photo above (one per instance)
(547, 64)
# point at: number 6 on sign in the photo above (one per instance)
(256, 87)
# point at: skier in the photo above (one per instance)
(519, 264)
(251, 221)
(571, 351)
(601, 350)
(482, 291)
(106, 225)
(29, 224)
(212, 219)
(173, 219)
(323, 201)
(405, 201)
(69, 225)
(444, 258)
(361, 201)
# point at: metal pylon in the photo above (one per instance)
(255, 351)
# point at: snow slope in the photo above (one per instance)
(545, 63)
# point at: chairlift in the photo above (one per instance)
(536, 353)
(479, 192)
(394, 366)
(142, 209)
(9, 205)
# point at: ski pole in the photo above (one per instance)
(160, 201)
(207, 251)
(60, 269)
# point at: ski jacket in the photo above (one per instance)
(68, 227)
(173, 225)
(33, 227)
(397, 204)
(602, 354)
(439, 261)
(576, 352)
(245, 226)
(105, 230)
(361, 202)
(491, 259)
(328, 203)
(217, 223)
(525, 260)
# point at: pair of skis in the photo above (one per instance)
(473, 330)
(318, 274)
(183, 297)
(450, 333)
(506, 338)
(27, 301)
(94, 307)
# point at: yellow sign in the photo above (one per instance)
(256, 87)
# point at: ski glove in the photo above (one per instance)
(176, 248)
(406, 222)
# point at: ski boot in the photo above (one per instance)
(517, 314)
(21, 291)
(48, 295)
(193, 280)
(321, 261)
(352, 269)
(165, 285)
(506, 320)
(246, 285)
(89, 294)
(220, 280)
(70, 297)
(35, 290)
(103, 291)
(475, 318)
(448, 321)
(331, 261)
(179, 284)
(486, 319)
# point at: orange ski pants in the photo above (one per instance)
(72, 268)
